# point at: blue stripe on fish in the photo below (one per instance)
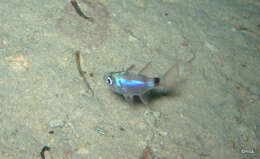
(133, 83)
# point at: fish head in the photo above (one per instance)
(112, 80)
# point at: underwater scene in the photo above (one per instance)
(130, 79)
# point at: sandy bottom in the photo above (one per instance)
(212, 113)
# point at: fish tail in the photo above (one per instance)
(176, 74)
(156, 81)
(170, 78)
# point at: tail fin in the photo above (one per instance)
(170, 78)
(175, 76)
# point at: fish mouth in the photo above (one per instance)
(105, 77)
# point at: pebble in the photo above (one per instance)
(211, 47)
(56, 123)
(83, 150)
(18, 62)
(132, 38)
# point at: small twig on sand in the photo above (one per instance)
(82, 74)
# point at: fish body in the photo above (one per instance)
(131, 84)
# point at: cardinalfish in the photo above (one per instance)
(131, 84)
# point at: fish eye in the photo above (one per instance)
(109, 80)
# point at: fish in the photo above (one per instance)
(129, 84)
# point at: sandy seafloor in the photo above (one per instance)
(213, 114)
